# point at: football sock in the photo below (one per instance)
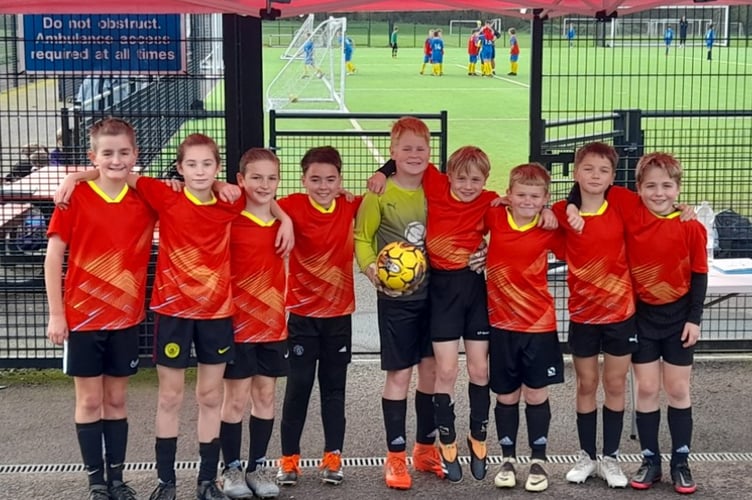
(230, 435)
(209, 455)
(332, 381)
(613, 423)
(480, 404)
(538, 420)
(115, 443)
(165, 449)
(394, 423)
(424, 415)
(647, 427)
(444, 416)
(260, 432)
(586, 430)
(680, 427)
(507, 426)
(90, 442)
(422, 67)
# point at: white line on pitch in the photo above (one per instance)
(497, 77)
(367, 140)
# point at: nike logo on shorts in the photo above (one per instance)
(223, 350)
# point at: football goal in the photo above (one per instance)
(299, 38)
(463, 25)
(313, 79)
(648, 28)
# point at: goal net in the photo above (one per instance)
(313, 79)
(298, 38)
(648, 28)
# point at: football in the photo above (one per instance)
(401, 266)
(293, 98)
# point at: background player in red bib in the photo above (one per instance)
(258, 292)
(107, 231)
(320, 301)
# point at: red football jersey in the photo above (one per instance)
(516, 267)
(109, 242)
(600, 286)
(258, 281)
(454, 229)
(193, 264)
(662, 251)
(320, 279)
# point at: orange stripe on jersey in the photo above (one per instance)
(662, 252)
(193, 265)
(454, 229)
(109, 242)
(516, 268)
(600, 286)
(258, 281)
(320, 280)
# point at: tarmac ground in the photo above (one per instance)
(39, 456)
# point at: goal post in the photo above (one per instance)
(456, 25)
(298, 39)
(313, 79)
(647, 28)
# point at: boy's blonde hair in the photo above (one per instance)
(530, 174)
(600, 149)
(198, 140)
(111, 126)
(467, 157)
(663, 161)
(254, 155)
(410, 124)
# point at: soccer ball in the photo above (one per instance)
(293, 98)
(400, 266)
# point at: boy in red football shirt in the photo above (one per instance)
(258, 292)
(525, 356)
(601, 312)
(320, 301)
(108, 234)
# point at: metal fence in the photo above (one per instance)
(638, 106)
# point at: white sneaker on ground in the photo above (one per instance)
(610, 471)
(233, 484)
(583, 468)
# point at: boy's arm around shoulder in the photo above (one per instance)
(285, 239)
(57, 327)
(64, 192)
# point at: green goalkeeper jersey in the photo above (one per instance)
(397, 215)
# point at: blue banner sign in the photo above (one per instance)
(103, 43)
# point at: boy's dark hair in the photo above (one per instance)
(256, 154)
(321, 154)
(111, 126)
(597, 148)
